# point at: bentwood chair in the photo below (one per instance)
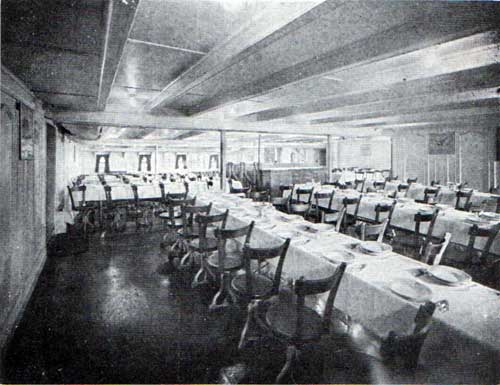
(375, 231)
(412, 243)
(254, 285)
(488, 233)
(222, 263)
(291, 321)
(317, 212)
(359, 184)
(396, 355)
(430, 195)
(435, 183)
(379, 185)
(190, 229)
(86, 212)
(350, 219)
(281, 202)
(141, 212)
(260, 196)
(432, 253)
(173, 219)
(301, 205)
(411, 180)
(463, 200)
(206, 243)
(114, 213)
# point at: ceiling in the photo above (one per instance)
(131, 69)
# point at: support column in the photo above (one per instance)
(328, 157)
(222, 162)
(156, 160)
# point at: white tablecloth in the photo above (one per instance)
(462, 345)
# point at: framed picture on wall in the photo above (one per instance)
(442, 143)
(180, 161)
(26, 140)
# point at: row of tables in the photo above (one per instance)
(455, 222)
(463, 343)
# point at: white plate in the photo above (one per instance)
(286, 234)
(449, 275)
(374, 248)
(412, 290)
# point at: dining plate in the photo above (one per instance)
(374, 248)
(412, 290)
(449, 275)
(286, 234)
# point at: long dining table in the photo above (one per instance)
(455, 222)
(463, 342)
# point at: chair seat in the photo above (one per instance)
(231, 262)
(282, 317)
(211, 245)
(261, 285)
(189, 234)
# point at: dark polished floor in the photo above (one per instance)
(112, 315)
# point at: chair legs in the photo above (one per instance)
(252, 310)
(287, 370)
(222, 298)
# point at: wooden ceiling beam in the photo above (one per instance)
(149, 121)
(270, 24)
(119, 20)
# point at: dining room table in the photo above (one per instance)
(463, 344)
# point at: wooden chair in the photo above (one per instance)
(173, 219)
(281, 202)
(435, 183)
(260, 196)
(490, 233)
(350, 219)
(397, 354)
(301, 206)
(205, 244)
(359, 184)
(221, 264)
(379, 185)
(463, 195)
(114, 213)
(411, 180)
(318, 212)
(258, 285)
(430, 195)
(190, 229)
(412, 243)
(432, 253)
(291, 321)
(86, 211)
(365, 231)
(141, 212)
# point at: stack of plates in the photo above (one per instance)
(411, 290)
(374, 248)
(450, 276)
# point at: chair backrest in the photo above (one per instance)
(324, 195)
(359, 184)
(305, 287)
(260, 196)
(435, 182)
(340, 219)
(489, 232)
(175, 196)
(107, 193)
(82, 202)
(430, 192)
(411, 180)
(433, 252)
(286, 187)
(379, 185)
(223, 235)
(261, 255)
(304, 191)
(370, 231)
(384, 208)
(348, 201)
(189, 213)
(461, 195)
(407, 348)
(432, 222)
